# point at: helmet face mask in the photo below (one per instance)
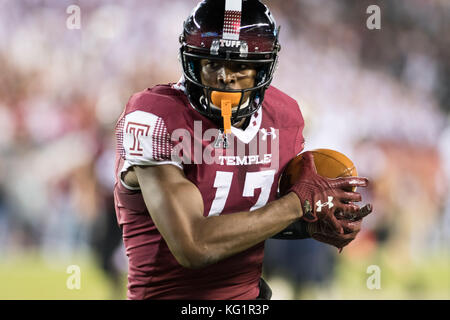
(255, 44)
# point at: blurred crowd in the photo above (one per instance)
(379, 96)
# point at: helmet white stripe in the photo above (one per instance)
(232, 19)
(233, 5)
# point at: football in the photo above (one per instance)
(329, 163)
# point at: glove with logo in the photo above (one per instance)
(351, 225)
(321, 197)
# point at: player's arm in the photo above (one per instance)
(176, 207)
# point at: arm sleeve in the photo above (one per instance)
(295, 231)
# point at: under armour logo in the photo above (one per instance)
(320, 205)
(272, 133)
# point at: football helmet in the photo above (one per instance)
(241, 31)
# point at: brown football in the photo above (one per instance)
(329, 163)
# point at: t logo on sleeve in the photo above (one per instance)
(145, 140)
(137, 129)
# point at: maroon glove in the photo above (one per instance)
(322, 232)
(321, 197)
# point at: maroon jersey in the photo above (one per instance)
(159, 126)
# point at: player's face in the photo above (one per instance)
(227, 75)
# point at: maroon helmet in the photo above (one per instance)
(241, 31)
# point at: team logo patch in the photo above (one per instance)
(221, 141)
(137, 130)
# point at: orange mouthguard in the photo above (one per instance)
(226, 100)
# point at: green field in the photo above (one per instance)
(31, 277)
(427, 278)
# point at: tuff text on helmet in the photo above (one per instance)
(230, 43)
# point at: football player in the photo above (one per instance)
(198, 165)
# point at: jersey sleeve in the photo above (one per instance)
(143, 139)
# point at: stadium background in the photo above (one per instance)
(379, 96)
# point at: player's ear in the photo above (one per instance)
(308, 161)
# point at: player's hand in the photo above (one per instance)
(322, 232)
(321, 197)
